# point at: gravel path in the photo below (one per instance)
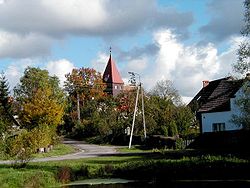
(85, 150)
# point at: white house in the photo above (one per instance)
(215, 104)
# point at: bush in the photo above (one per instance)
(83, 171)
(21, 147)
(25, 143)
(179, 143)
(65, 174)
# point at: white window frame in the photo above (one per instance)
(217, 127)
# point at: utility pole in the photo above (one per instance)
(139, 90)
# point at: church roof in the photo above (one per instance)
(111, 74)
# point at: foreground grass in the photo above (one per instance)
(170, 165)
(134, 149)
(10, 177)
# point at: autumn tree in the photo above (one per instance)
(40, 99)
(83, 85)
(42, 108)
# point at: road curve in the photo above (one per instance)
(85, 150)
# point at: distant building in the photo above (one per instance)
(215, 104)
(112, 78)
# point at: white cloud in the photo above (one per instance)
(36, 24)
(137, 65)
(188, 66)
(100, 62)
(15, 70)
(59, 68)
(22, 46)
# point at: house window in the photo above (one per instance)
(116, 87)
(219, 127)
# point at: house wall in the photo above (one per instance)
(208, 119)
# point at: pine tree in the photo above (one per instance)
(5, 105)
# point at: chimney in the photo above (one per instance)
(248, 76)
(205, 83)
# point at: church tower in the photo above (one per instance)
(112, 78)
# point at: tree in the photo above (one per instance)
(243, 67)
(165, 111)
(40, 99)
(83, 85)
(243, 102)
(6, 118)
(42, 108)
(165, 90)
(243, 64)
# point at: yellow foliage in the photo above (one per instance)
(42, 108)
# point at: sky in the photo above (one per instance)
(185, 41)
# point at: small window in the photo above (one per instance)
(116, 87)
(219, 127)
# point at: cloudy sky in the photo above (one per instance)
(183, 41)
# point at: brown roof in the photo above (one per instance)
(216, 96)
(111, 74)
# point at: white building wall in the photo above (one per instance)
(208, 119)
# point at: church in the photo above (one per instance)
(112, 78)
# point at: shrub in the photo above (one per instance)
(65, 174)
(83, 171)
(179, 143)
(21, 147)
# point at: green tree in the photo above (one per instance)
(160, 113)
(185, 121)
(243, 67)
(243, 102)
(6, 112)
(40, 99)
(165, 113)
(243, 64)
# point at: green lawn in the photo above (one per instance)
(169, 165)
(60, 149)
(134, 149)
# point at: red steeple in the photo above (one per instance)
(112, 78)
(111, 74)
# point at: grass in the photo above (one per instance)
(169, 165)
(14, 178)
(60, 149)
(134, 149)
